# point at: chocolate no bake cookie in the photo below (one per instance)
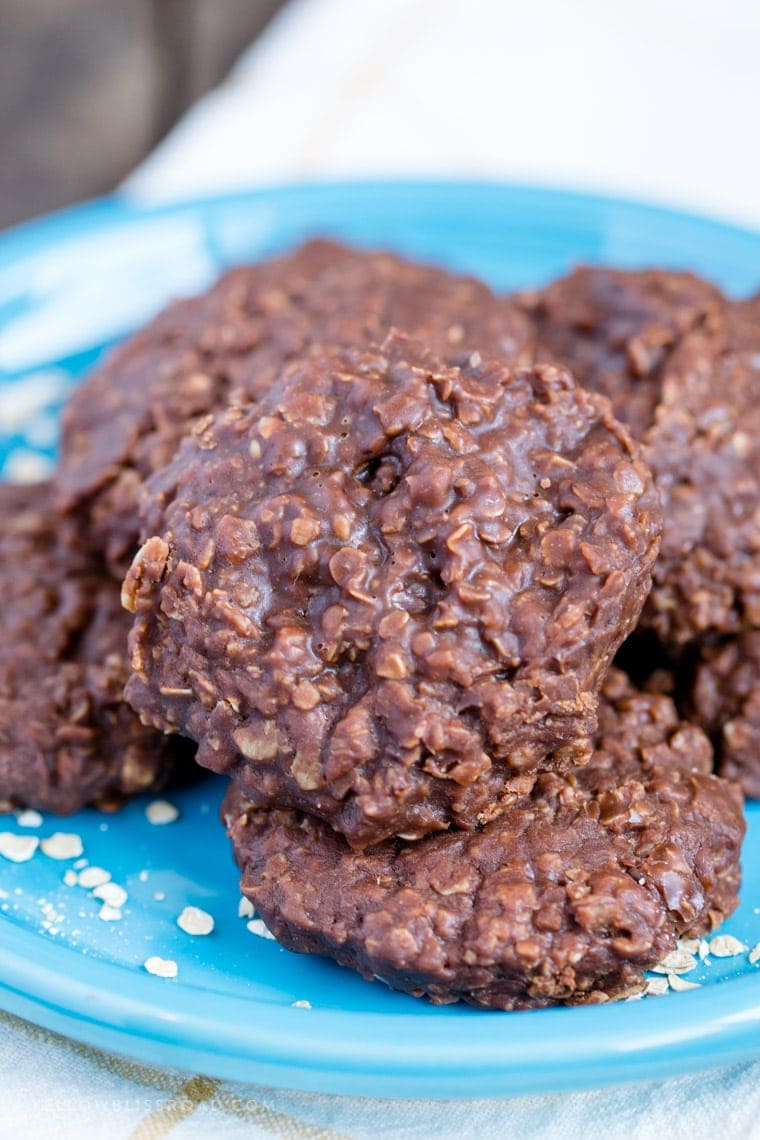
(615, 330)
(580, 887)
(66, 736)
(682, 368)
(704, 450)
(725, 699)
(227, 346)
(392, 588)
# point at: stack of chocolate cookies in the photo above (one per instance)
(383, 535)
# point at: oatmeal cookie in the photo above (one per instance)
(581, 886)
(393, 587)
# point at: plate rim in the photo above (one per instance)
(126, 205)
(315, 1049)
(318, 1049)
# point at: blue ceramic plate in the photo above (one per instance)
(69, 286)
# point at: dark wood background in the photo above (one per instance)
(87, 87)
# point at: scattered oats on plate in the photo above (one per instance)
(680, 984)
(110, 893)
(161, 811)
(62, 845)
(676, 962)
(193, 920)
(29, 818)
(257, 926)
(161, 967)
(18, 848)
(726, 946)
(93, 877)
(109, 913)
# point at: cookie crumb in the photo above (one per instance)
(159, 896)
(690, 945)
(302, 1004)
(256, 926)
(161, 967)
(62, 845)
(726, 946)
(246, 908)
(143, 876)
(754, 954)
(656, 987)
(161, 811)
(18, 848)
(29, 818)
(195, 921)
(70, 878)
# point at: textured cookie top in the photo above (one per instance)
(615, 329)
(228, 345)
(581, 886)
(682, 368)
(66, 735)
(704, 449)
(389, 578)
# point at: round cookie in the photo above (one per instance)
(615, 330)
(393, 587)
(579, 888)
(704, 451)
(682, 368)
(725, 699)
(227, 346)
(66, 736)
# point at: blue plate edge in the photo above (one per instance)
(126, 205)
(161, 1037)
(327, 1078)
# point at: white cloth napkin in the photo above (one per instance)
(55, 1087)
(657, 100)
(660, 101)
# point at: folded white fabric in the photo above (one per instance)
(657, 100)
(84, 1088)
